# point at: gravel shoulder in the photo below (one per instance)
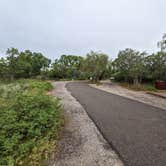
(140, 96)
(134, 129)
(81, 143)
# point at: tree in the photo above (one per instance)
(130, 64)
(25, 64)
(68, 66)
(156, 66)
(3, 68)
(96, 64)
(162, 44)
(12, 62)
(39, 63)
(109, 71)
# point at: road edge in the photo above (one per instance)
(90, 147)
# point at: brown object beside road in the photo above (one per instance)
(160, 85)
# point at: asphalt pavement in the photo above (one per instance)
(135, 130)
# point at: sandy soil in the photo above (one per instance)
(81, 143)
(135, 95)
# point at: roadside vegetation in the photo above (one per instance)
(130, 66)
(141, 87)
(138, 70)
(29, 122)
(30, 119)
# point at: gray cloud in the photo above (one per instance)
(78, 26)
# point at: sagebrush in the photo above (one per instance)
(29, 122)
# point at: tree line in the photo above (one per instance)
(24, 64)
(130, 65)
(134, 66)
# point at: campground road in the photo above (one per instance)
(135, 130)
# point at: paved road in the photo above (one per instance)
(135, 130)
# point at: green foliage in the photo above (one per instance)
(130, 65)
(149, 87)
(133, 66)
(141, 87)
(29, 122)
(67, 67)
(22, 64)
(162, 44)
(118, 76)
(156, 66)
(96, 65)
(3, 68)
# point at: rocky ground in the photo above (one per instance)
(81, 144)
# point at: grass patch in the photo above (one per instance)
(141, 87)
(149, 87)
(29, 122)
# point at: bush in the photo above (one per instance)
(29, 122)
(118, 77)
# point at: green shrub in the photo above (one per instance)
(149, 87)
(29, 122)
(140, 87)
(118, 77)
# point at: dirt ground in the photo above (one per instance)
(135, 95)
(81, 144)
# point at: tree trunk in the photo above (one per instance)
(136, 81)
(11, 77)
(101, 75)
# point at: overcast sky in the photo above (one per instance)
(56, 27)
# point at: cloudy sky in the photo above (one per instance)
(56, 27)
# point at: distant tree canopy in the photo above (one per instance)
(156, 66)
(22, 64)
(68, 66)
(130, 65)
(133, 66)
(95, 65)
(162, 44)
